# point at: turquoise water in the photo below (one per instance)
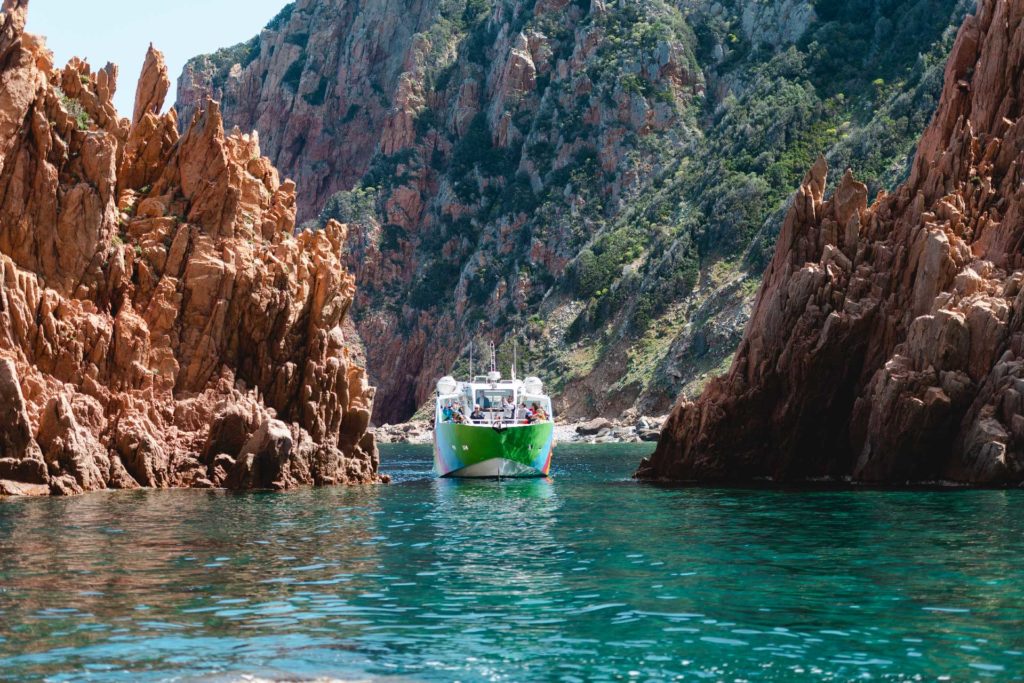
(585, 577)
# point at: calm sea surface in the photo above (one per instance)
(584, 577)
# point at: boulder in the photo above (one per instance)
(593, 426)
(262, 464)
(649, 434)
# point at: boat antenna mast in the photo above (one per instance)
(515, 356)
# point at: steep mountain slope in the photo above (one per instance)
(602, 180)
(160, 325)
(887, 343)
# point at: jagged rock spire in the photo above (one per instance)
(154, 83)
(160, 323)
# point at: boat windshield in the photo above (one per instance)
(491, 399)
(496, 405)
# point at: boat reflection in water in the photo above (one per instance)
(495, 538)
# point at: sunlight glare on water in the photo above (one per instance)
(587, 576)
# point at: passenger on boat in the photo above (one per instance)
(538, 414)
(457, 415)
(477, 415)
(508, 409)
(521, 414)
(447, 412)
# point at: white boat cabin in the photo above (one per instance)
(500, 401)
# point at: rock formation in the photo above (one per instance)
(886, 344)
(160, 325)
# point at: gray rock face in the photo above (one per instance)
(776, 23)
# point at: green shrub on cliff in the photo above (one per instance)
(293, 74)
(282, 17)
(358, 205)
(218, 64)
(75, 110)
(845, 89)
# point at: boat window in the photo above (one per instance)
(490, 399)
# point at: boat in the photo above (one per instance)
(499, 439)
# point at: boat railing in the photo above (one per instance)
(498, 422)
(493, 417)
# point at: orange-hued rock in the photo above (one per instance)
(160, 324)
(153, 85)
(887, 341)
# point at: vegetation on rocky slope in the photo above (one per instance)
(604, 180)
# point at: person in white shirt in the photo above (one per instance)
(508, 409)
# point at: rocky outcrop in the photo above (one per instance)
(160, 324)
(153, 86)
(887, 341)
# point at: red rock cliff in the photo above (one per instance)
(887, 341)
(160, 325)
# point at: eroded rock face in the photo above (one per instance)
(887, 341)
(327, 74)
(160, 325)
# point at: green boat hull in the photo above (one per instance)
(462, 450)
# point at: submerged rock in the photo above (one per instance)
(160, 324)
(886, 343)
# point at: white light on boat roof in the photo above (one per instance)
(447, 385)
(533, 385)
(494, 376)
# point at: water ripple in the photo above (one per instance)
(584, 577)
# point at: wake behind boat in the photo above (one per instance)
(492, 427)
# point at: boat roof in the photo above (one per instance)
(482, 382)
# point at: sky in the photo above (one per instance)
(120, 31)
